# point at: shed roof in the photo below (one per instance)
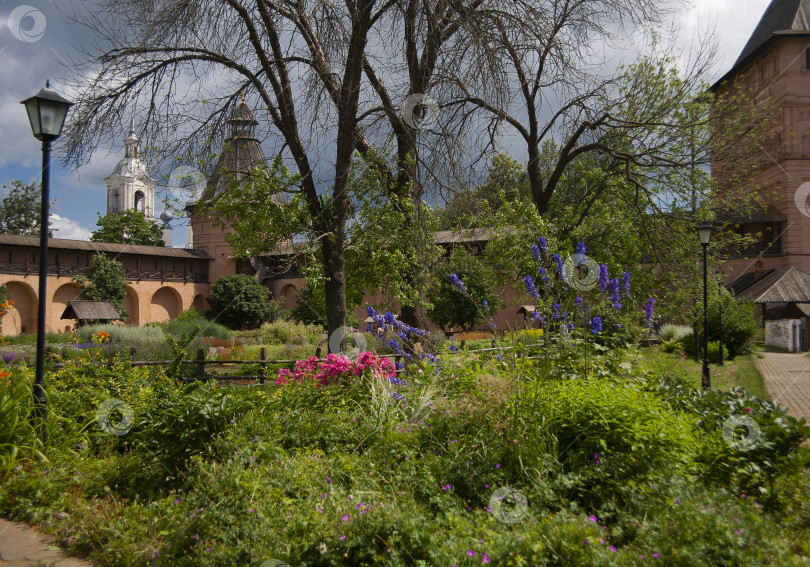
(84, 310)
(789, 285)
(65, 244)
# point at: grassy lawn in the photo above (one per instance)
(741, 371)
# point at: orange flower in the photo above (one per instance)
(3, 376)
(103, 335)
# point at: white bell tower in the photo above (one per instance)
(129, 185)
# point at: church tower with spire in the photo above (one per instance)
(129, 186)
(241, 154)
(774, 67)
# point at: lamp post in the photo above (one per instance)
(720, 361)
(704, 232)
(46, 113)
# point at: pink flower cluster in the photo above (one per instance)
(336, 368)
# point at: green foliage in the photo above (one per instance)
(182, 426)
(18, 434)
(127, 227)
(310, 308)
(20, 210)
(669, 331)
(453, 307)
(739, 326)
(239, 301)
(204, 328)
(105, 280)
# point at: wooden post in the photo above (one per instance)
(462, 344)
(200, 364)
(318, 352)
(262, 364)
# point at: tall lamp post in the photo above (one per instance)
(720, 361)
(704, 232)
(46, 112)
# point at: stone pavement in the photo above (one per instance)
(23, 546)
(787, 379)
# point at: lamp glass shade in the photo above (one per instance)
(46, 113)
(704, 232)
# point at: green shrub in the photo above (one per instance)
(739, 327)
(177, 327)
(687, 345)
(121, 333)
(239, 302)
(290, 332)
(670, 332)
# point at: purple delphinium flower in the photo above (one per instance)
(559, 263)
(555, 311)
(528, 281)
(371, 311)
(603, 279)
(615, 294)
(9, 357)
(648, 311)
(596, 325)
(580, 248)
(535, 253)
(486, 306)
(543, 273)
(626, 283)
(543, 244)
(457, 282)
(578, 302)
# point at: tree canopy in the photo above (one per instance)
(20, 210)
(105, 280)
(127, 227)
(239, 302)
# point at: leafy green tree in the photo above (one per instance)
(310, 308)
(239, 302)
(20, 210)
(127, 227)
(105, 280)
(465, 308)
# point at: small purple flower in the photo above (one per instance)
(471, 553)
(528, 281)
(543, 244)
(543, 273)
(580, 248)
(656, 556)
(603, 279)
(593, 519)
(557, 259)
(535, 253)
(497, 466)
(485, 558)
(458, 283)
(371, 311)
(648, 311)
(596, 325)
(626, 283)
(9, 357)
(615, 294)
(486, 306)
(555, 311)
(613, 549)
(345, 518)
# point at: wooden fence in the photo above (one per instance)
(199, 363)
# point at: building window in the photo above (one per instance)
(140, 202)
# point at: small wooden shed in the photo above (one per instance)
(85, 311)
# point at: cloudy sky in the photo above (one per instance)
(37, 40)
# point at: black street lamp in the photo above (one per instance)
(704, 232)
(720, 361)
(46, 112)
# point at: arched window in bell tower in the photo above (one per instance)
(140, 202)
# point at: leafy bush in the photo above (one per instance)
(177, 327)
(291, 332)
(739, 326)
(687, 345)
(239, 301)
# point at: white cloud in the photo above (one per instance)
(65, 228)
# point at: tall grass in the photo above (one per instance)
(18, 433)
(677, 332)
